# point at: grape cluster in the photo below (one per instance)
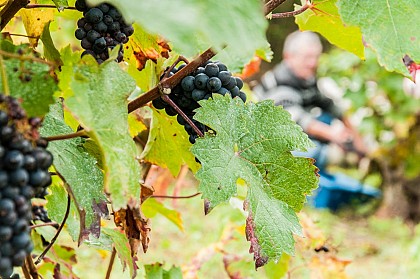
(210, 78)
(23, 175)
(39, 213)
(101, 29)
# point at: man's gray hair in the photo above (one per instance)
(297, 39)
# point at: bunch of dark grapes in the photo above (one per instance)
(39, 213)
(210, 78)
(24, 164)
(101, 29)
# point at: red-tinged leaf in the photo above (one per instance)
(255, 246)
(411, 66)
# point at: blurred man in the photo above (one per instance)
(293, 85)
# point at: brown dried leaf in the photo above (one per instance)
(135, 226)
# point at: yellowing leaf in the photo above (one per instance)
(168, 144)
(324, 19)
(151, 207)
(135, 125)
(34, 21)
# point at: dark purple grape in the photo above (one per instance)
(239, 82)
(80, 33)
(108, 20)
(13, 159)
(187, 83)
(3, 118)
(104, 7)
(198, 94)
(201, 80)
(211, 69)
(214, 84)
(100, 27)
(128, 30)
(116, 16)
(94, 15)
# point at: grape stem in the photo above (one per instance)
(180, 58)
(31, 267)
(52, 224)
(80, 133)
(293, 13)
(176, 197)
(180, 112)
(26, 58)
(25, 271)
(272, 5)
(111, 263)
(171, 82)
(36, 6)
(9, 11)
(6, 88)
(66, 215)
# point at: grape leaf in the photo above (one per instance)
(151, 207)
(123, 249)
(324, 19)
(193, 26)
(57, 205)
(96, 89)
(60, 3)
(388, 26)
(156, 271)
(32, 82)
(50, 51)
(253, 143)
(168, 144)
(34, 21)
(84, 178)
(145, 46)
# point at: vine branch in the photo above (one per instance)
(111, 263)
(272, 5)
(80, 133)
(66, 215)
(170, 82)
(52, 224)
(176, 197)
(31, 267)
(10, 10)
(36, 6)
(294, 13)
(26, 58)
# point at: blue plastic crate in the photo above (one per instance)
(338, 190)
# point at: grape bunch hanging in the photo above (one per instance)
(101, 29)
(24, 164)
(210, 78)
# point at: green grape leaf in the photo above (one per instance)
(253, 143)
(193, 26)
(389, 27)
(57, 205)
(156, 271)
(31, 82)
(168, 144)
(151, 207)
(84, 178)
(324, 19)
(123, 249)
(99, 104)
(50, 51)
(60, 4)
